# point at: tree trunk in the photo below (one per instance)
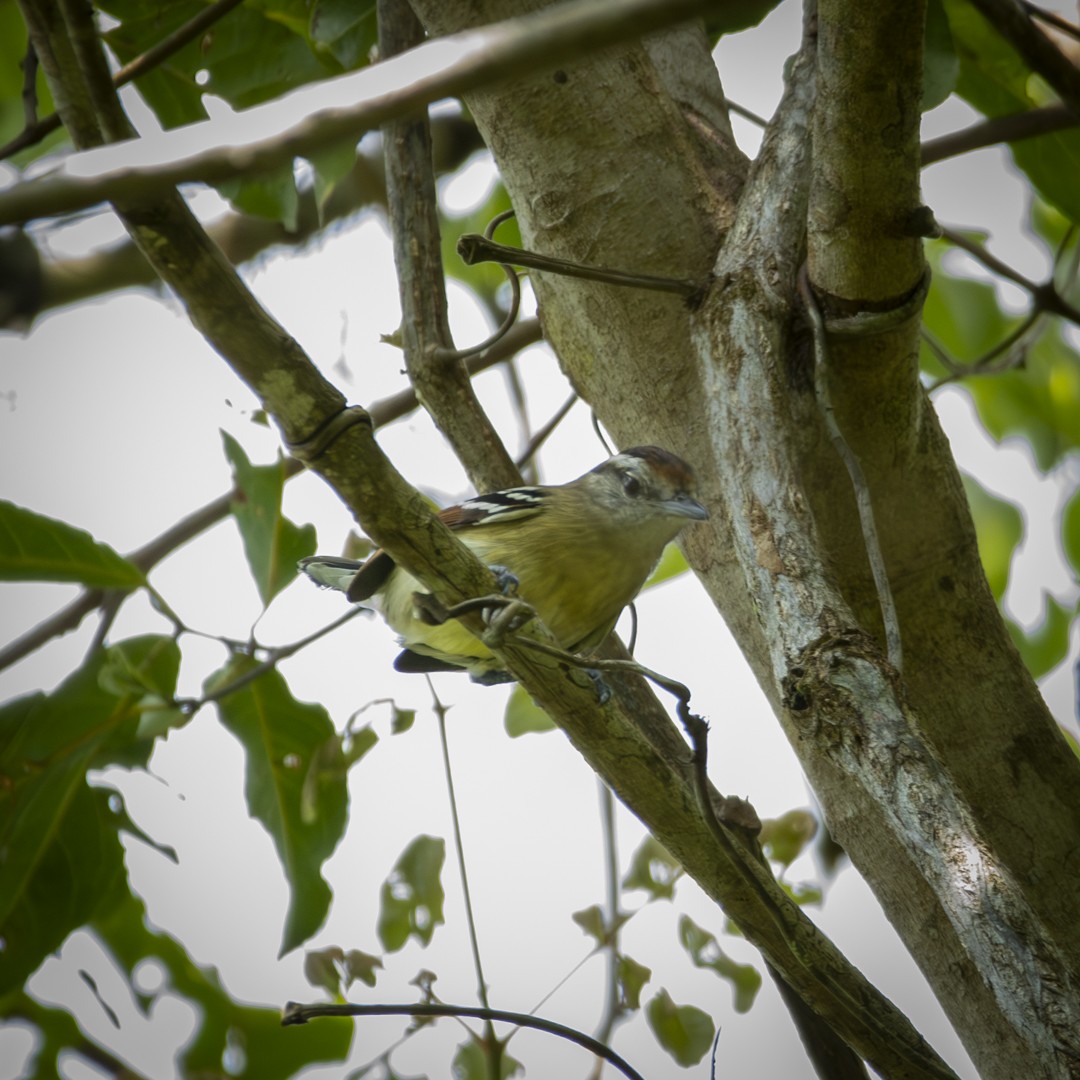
(626, 160)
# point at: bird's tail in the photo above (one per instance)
(329, 571)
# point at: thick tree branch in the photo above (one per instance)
(862, 254)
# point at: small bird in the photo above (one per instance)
(578, 553)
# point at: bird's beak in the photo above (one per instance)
(684, 506)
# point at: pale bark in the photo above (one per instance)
(963, 810)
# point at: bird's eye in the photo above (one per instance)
(631, 485)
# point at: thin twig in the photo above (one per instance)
(492, 1045)
(1011, 349)
(275, 655)
(1046, 295)
(474, 248)
(889, 617)
(1051, 18)
(613, 1011)
(999, 129)
(294, 1013)
(544, 433)
(432, 362)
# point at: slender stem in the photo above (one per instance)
(294, 1013)
(474, 248)
(613, 1012)
(999, 129)
(889, 617)
(492, 1045)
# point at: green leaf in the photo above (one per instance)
(74, 875)
(632, 978)
(672, 563)
(322, 968)
(282, 737)
(145, 665)
(331, 165)
(999, 528)
(996, 80)
(941, 67)
(471, 1063)
(1046, 646)
(684, 1031)
(271, 195)
(346, 29)
(38, 548)
(1070, 531)
(591, 920)
(252, 1038)
(411, 900)
(361, 967)
(401, 720)
(47, 742)
(705, 952)
(653, 869)
(523, 715)
(785, 837)
(272, 543)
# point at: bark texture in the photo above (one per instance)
(625, 159)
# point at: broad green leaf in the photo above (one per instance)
(282, 737)
(1047, 645)
(999, 528)
(401, 720)
(471, 1063)
(785, 837)
(75, 874)
(653, 869)
(632, 978)
(684, 1031)
(272, 543)
(705, 952)
(260, 1048)
(148, 664)
(411, 900)
(523, 715)
(47, 742)
(38, 548)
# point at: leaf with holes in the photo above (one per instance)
(282, 737)
(411, 901)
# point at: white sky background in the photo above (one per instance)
(114, 426)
